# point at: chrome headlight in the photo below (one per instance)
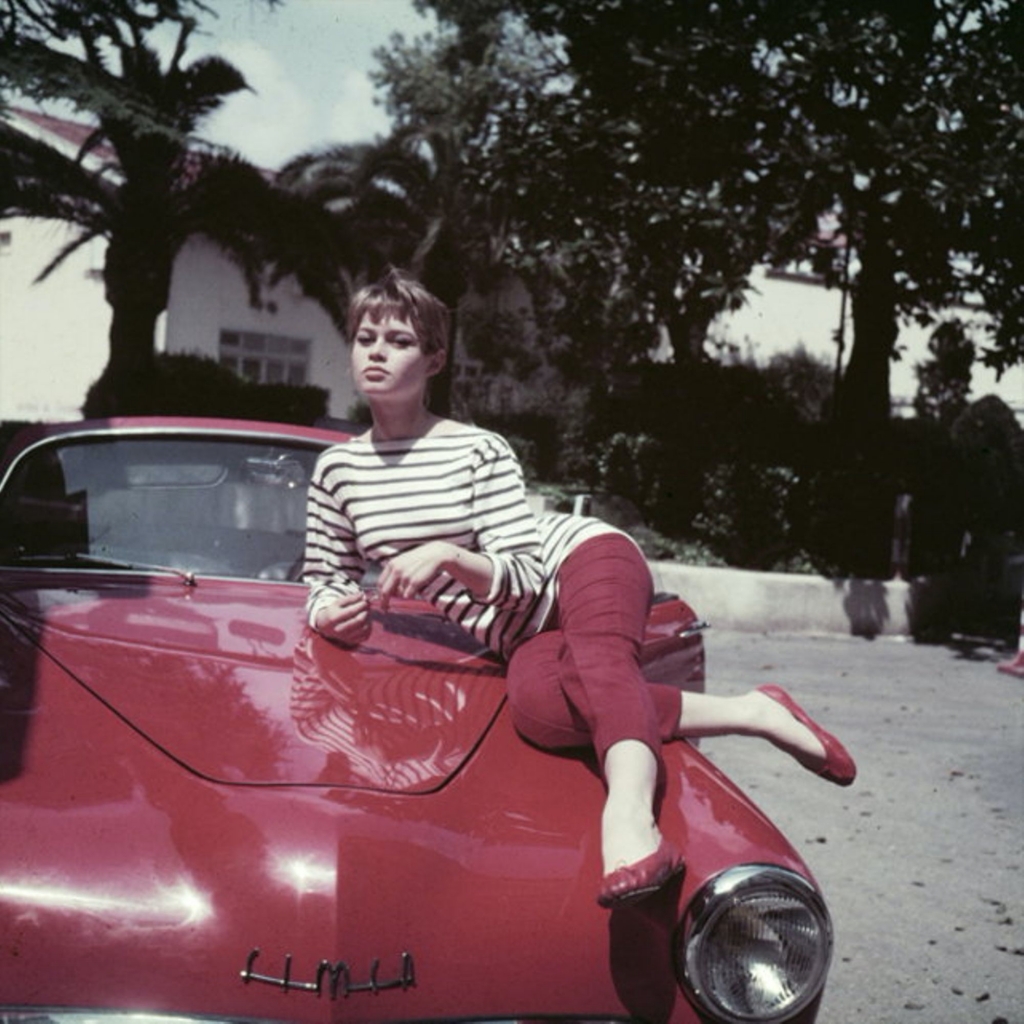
(755, 945)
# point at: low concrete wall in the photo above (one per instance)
(793, 603)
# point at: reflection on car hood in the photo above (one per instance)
(226, 680)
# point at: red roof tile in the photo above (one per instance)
(73, 132)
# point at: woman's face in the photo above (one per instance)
(388, 363)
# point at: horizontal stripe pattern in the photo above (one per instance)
(370, 501)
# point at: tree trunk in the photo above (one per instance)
(864, 399)
(132, 337)
(137, 276)
(688, 330)
(441, 275)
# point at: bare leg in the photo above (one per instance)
(752, 714)
(628, 830)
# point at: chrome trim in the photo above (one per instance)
(151, 571)
(338, 974)
(693, 629)
(713, 899)
(155, 430)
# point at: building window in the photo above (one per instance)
(265, 358)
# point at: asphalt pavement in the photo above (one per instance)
(922, 859)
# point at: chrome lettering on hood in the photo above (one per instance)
(337, 976)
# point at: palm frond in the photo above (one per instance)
(192, 93)
(259, 225)
(83, 238)
(38, 181)
(328, 176)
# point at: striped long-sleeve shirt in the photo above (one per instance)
(372, 500)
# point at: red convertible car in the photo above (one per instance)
(208, 813)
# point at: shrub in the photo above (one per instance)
(283, 403)
(632, 465)
(849, 514)
(659, 547)
(183, 384)
(801, 382)
(991, 443)
(747, 516)
(944, 380)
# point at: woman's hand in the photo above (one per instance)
(346, 620)
(408, 574)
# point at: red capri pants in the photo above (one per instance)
(580, 683)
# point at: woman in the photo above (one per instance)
(441, 507)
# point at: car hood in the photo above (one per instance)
(224, 677)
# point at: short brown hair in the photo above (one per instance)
(400, 295)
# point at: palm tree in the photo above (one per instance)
(157, 186)
(375, 213)
(404, 202)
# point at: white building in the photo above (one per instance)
(53, 334)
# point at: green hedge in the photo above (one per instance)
(726, 461)
(191, 385)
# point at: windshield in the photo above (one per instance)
(229, 507)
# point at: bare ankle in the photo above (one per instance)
(628, 834)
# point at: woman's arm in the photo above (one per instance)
(506, 527)
(335, 606)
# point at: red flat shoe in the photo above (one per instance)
(839, 767)
(637, 881)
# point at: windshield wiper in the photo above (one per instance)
(103, 562)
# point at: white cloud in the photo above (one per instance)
(273, 122)
(307, 63)
(355, 117)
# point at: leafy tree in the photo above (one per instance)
(629, 184)
(426, 198)
(734, 124)
(158, 186)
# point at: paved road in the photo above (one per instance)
(922, 859)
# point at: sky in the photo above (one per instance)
(307, 63)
